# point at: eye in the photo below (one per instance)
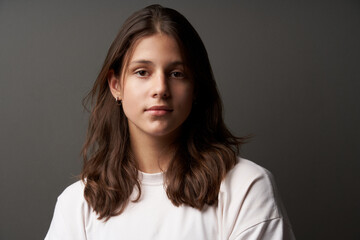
(176, 74)
(142, 73)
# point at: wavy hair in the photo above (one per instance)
(206, 149)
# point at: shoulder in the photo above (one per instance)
(248, 198)
(245, 176)
(245, 170)
(72, 200)
(71, 214)
(250, 183)
(73, 194)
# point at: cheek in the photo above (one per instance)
(189, 94)
(131, 101)
(128, 107)
(185, 98)
(188, 101)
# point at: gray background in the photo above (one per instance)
(288, 72)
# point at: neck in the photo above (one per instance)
(152, 154)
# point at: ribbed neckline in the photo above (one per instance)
(151, 178)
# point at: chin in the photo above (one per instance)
(160, 133)
(164, 132)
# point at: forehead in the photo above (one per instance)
(158, 47)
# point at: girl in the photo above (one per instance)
(159, 163)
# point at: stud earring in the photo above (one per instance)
(118, 101)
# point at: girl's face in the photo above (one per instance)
(156, 92)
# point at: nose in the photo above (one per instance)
(160, 86)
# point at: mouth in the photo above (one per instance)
(160, 107)
(159, 110)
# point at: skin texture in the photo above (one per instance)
(156, 97)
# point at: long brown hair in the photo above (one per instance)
(206, 149)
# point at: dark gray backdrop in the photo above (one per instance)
(288, 72)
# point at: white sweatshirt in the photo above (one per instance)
(248, 208)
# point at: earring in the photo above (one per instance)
(118, 101)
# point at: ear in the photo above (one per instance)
(114, 85)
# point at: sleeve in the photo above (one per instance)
(249, 206)
(68, 221)
(273, 229)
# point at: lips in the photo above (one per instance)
(159, 108)
(159, 111)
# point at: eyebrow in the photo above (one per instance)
(175, 63)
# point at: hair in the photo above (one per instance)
(206, 149)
